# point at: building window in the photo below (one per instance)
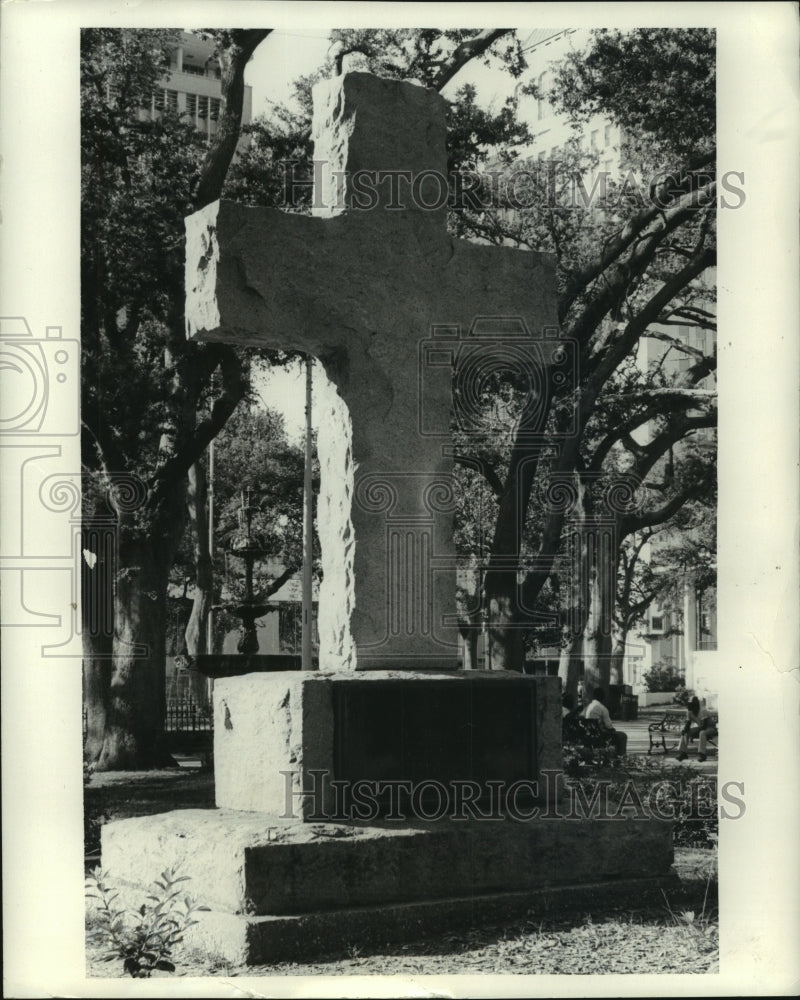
(212, 71)
(165, 100)
(594, 137)
(657, 623)
(607, 135)
(207, 107)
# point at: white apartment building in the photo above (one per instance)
(193, 87)
(543, 48)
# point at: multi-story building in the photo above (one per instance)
(543, 48)
(193, 87)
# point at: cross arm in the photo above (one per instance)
(259, 277)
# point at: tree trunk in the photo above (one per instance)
(597, 634)
(505, 638)
(196, 629)
(576, 613)
(97, 625)
(596, 660)
(470, 634)
(569, 666)
(618, 656)
(133, 736)
(96, 682)
(602, 583)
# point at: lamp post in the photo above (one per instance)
(308, 517)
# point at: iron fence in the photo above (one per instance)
(187, 717)
(179, 717)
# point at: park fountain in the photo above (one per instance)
(247, 546)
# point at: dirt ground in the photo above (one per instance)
(679, 936)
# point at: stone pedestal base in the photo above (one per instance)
(285, 889)
(288, 738)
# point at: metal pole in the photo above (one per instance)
(209, 619)
(308, 551)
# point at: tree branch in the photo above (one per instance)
(621, 241)
(488, 471)
(705, 257)
(276, 584)
(233, 59)
(469, 49)
(234, 388)
(668, 394)
(675, 342)
(661, 514)
(636, 263)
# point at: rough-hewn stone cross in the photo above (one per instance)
(375, 288)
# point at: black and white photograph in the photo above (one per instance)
(399, 499)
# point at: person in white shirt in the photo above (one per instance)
(596, 709)
(699, 724)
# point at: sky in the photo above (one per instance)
(287, 54)
(279, 60)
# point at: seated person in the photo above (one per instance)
(570, 714)
(699, 724)
(569, 710)
(596, 709)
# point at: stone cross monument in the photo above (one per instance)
(375, 288)
(354, 805)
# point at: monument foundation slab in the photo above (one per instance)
(267, 879)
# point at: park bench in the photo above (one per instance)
(671, 726)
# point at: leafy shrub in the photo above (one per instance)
(160, 924)
(663, 677)
(674, 791)
(683, 696)
(579, 759)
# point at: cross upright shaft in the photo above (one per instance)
(375, 288)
